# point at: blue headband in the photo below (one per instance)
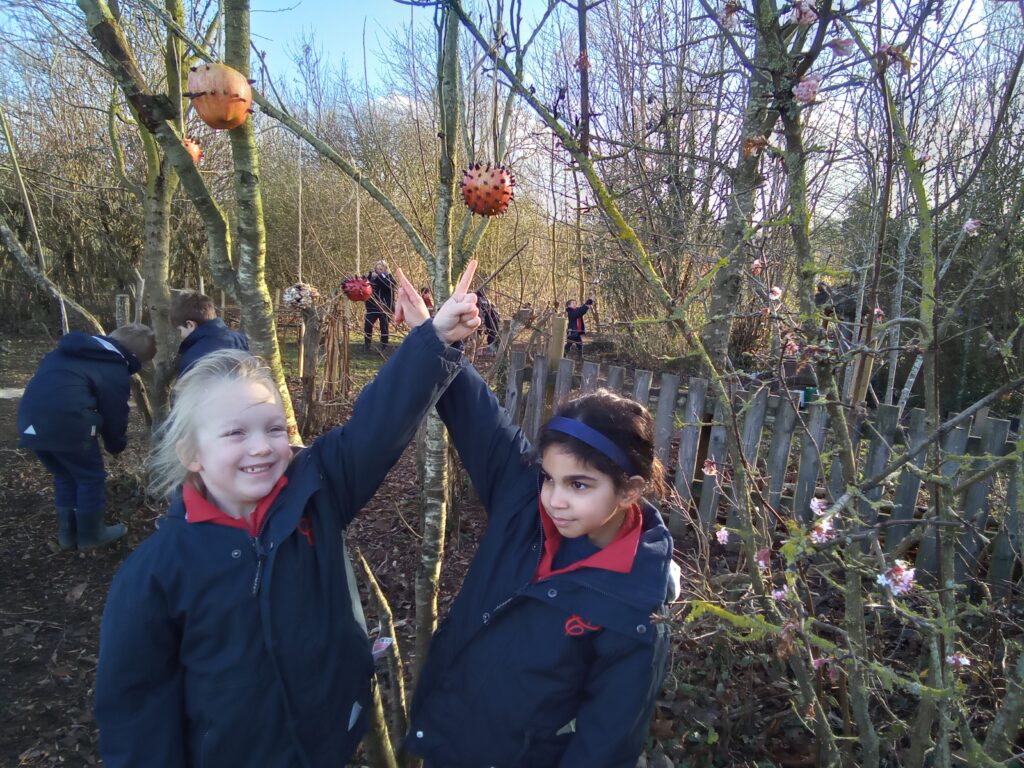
(593, 438)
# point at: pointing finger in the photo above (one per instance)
(464, 282)
(405, 281)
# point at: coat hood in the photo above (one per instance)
(102, 348)
(652, 581)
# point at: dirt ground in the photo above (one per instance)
(51, 601)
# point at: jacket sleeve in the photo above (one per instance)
(112, 394)
(493, 449)
(357, 456)
(619, 699)
(139, 700)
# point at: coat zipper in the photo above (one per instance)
(261, 557)
(518, 592)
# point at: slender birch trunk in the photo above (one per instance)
(435, 460)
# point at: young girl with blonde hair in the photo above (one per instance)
(229, 636)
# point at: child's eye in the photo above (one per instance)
(234, 433)
(545, 477)
(579, 486)
(277, 430)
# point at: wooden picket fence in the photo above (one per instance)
(790, 446)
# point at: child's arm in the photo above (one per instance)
(139, 701)
(618, 702)
(357, 456)
(112, 394)
(493, 449)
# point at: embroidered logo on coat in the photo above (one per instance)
(576, 626)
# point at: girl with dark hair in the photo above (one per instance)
(553, 652)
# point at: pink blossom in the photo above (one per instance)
(825, 663)
(806, 91)
(823, 531)
(722, 534)
(780, 595)
(879, 315)
(791, 348)
(775, 293)
(925, 158)
(710, 468)
(803, 13)
(818, 507)
(730, 15)
(763, 558)
(971, 227)
(899, 579)
(842, 47)
(958, 660)
(757, 267)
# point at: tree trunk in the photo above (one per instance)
(745, 176)
(254, 302)
(156, 257)
(435, 463)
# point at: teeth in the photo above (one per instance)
(255, 470)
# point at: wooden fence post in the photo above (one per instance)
(975, 505)
(122, 309)
(685, 466)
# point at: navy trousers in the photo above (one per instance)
(78, 477)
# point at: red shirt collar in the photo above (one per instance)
(199, 509)
(618, 556)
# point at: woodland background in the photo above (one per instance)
(725, 179)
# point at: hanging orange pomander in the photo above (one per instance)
(487, 190)
(193, 148)
(221, 95)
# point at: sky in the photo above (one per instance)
(339, 26)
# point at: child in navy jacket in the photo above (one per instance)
(229, 637)
(576, 327)
(202, 332)
(78, 394)
(552, 653)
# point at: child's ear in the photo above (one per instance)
(187, 457)
(632, 490)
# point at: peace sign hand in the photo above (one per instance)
(458, 317)
(455, 320)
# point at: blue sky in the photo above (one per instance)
(338, 25)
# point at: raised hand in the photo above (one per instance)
(409, 305)
(458, 317)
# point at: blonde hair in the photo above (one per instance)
(138, 339)
(177, 435)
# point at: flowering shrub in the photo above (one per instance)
(842, 47)
(806, 91)
(803, 13)
(899, 579)
(972, 227)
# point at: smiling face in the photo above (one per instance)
(580, 500)
(241, 445)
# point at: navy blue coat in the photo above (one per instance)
(79, 391)
(206, 338)
(515, 662)
(218, 649)
(576, 326)
(383, 298)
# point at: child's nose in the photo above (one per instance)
(259, 445)
(558, 497)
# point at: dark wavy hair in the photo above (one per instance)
(623, 421)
